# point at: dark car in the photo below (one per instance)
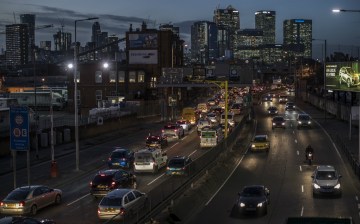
(25, 220)
(179, 165)
(121, 158)
(158, 141)
(290, 106)
(253, 199)
(278, 122)
(272, 110)
(303, 120)
(108, 180)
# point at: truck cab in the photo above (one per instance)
(210, 136)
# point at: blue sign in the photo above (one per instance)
(299, 21)
(19, 128)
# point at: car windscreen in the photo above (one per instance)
(120, 154)
(326, 175)
(278, 119)
(176, 163)
(181, 122)
(99, 179)
(153, 139)
(170, 127)
(17, 195)
(304, 117)
(143, 157)
(110, 201)
(260, 139)
(252, 192)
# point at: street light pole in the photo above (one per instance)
(75, 95)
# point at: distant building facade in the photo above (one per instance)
(204, 45)
(17, 44)
(29, 20)
(298, 37)
(265, 20)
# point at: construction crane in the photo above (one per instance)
(36, 28)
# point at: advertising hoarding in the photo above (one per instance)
(143, 40)
(342, 76)
(143, 57)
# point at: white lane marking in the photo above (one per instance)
(184, 138)
(174, 145)
(296, 141)
(226, 180)
(302, 188)
(302, 211)
(300, 168)
(156, 179)
(356, 198)
(78, 199)
(297, 152)
(358, 206)
(192, 153)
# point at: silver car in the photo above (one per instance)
(326, 181)
(29, 199)
(119, 203)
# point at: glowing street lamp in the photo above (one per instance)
(344, 10)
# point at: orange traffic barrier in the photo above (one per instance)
(54, 169)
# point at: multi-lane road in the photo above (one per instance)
(284, 171)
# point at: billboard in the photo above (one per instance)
(342, 76)
(143, 57)
(19, 128)
(143, 40)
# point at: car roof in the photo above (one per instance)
(119, 149)
(179, 158)
(254, 186)
(118, 193)
(325, 168)
(260, 136)
(107, 172)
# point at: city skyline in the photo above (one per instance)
(115, 18)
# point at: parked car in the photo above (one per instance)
(156, 141)
(108, 180)
(253, 199)
(29, 199)
(179, 165)
(121, 203)
(278, 122)
(303, 120)
(25, 220)
(326, 181)
(121, 158)
(260, 142)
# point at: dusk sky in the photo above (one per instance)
(115, 16)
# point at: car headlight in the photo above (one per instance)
(299, 122)
(316, 186)
(309, 122)
(283, 123)
(274, 124)
(260, 204)
(253, 146)
(337, 186)
(242, 204)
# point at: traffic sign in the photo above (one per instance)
(19, 128)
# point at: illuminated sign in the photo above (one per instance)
(299, 20)
(342, 76)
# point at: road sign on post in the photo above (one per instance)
(19, 128)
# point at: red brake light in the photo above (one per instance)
(113, 183)
(99, 211)
(122, 211)
(109, 159)
(91, 183)
(22, 204)
(1, 203)
(103, 175)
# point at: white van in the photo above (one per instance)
(149, 160)
(230, 118)
(210, 136)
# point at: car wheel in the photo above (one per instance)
(58, 199)
(33, 210)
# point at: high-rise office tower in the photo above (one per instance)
(204, 41)
(298, 37)
(228, 21)
(62, 41)
(29, 19)
(265, 21)
(248, 43)
(17, 42)
(96, 33)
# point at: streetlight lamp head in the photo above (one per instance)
(106, 65)
(336, 10)
(70, 66)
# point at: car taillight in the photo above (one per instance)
(99, 211)
(1, 203)
(162, 131)
(113, 183)
(122, 211)
(91, 183)
(109, 158)
(123, 159)
(168, 168)
(21, 204)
